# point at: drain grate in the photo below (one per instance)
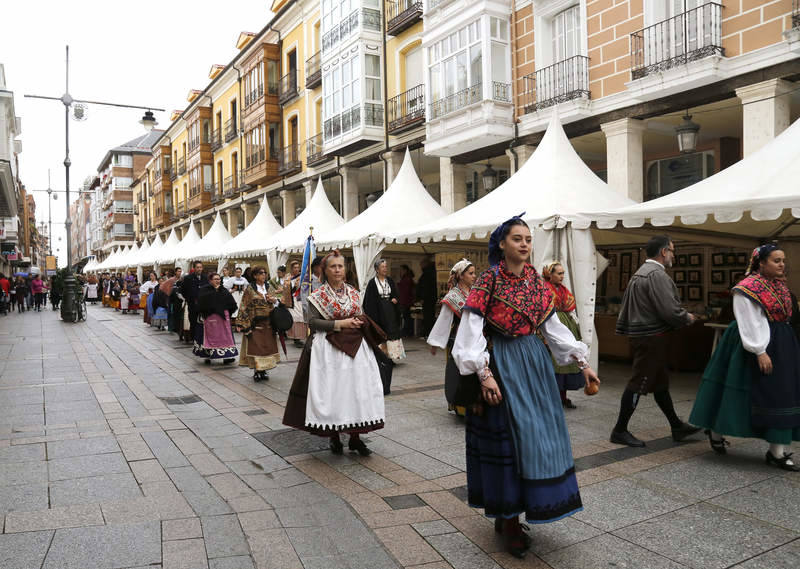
(181, 400)
(254, 412)
(289, 442)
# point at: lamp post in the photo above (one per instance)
(68, 306)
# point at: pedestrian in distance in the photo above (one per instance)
(5, 294)
(299, 330)
(190, 290)
(55, 293)
(38, 291)
(518, 453)
(426, 292)
(20, 293)
(650, 310)
(405, 298)
(381, 304)
(751, 385)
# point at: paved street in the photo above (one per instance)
(119, 449)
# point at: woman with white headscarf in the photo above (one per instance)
(443, 334)
(381, 304)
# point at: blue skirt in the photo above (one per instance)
(519, 457)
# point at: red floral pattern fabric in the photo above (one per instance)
(519, 305)
(335, 306)
(564, 299)
(771, 294)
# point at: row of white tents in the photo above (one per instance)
(569, 207)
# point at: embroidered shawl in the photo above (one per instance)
(455, 299)
(253, 310)
(335, 306)
(520, 304)
(564, 299)
(771, 294)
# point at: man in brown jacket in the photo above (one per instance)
(650, 309)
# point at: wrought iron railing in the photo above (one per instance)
(228, 186)
(173, 173)
(287, 87)
(401, 15)
(272, 88)
(289, 159)
(406, 109)
(342, 123)
(181, 211)
(181, 166)
(457, 101)
(369, 18)
(689, 36)
(314, 70)
(216, 140)
(501, 91)
(230, 129)
(314, 151)
(557, 83)
(215, 193)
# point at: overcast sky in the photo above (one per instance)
(145, 52)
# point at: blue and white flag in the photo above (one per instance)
(305, 271)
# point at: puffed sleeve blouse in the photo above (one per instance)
(753, 324)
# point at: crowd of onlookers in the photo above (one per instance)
(27, 292)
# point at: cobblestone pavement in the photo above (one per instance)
(119, 449)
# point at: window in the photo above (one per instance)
(123, 160)
(341, 92)
(372, 73)
(673, 174)
(565, 29)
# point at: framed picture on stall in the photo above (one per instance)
(736, 276)
(612, 259)
(741, 259)
(681, 261)
(694, 276)
(695, 292)
(625, 263)
(730, 259)
(718, 259)
(680, 277)
(718, 277)
(696, 260)
(682, 293)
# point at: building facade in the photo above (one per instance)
(338, 89)
(10, 148)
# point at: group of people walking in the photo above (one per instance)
(25, 293)
(513, 352)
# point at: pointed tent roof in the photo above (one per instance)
(172, 248)
(148, 258)
(113, 259)
(130, 257)
(123, 258)
(211, 245)
(319, 214)
(104, 263)
(406, 203)
(137, 260)
(765, 184)
(251, 241)
(553, 187)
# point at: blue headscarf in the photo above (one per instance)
(495, 253)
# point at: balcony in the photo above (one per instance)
(230, 129)
(258, 168)
(287, 87)
(689, 36)
(401, 15)
(314, 150)
(370, 20)
(216, 195)
(253, 96)
(173, 174)
(200, 197)
(229, 187)
(181, 166)
(558, 83)
(406, 110)
(142, 196)
(314, 71)
(216, 140)
(289, 160)
(457, 101)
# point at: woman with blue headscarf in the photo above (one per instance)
(751, 385)
(519, 458)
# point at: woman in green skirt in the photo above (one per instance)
(751, 386)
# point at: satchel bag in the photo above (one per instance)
(281, 319)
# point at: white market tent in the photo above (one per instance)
(250, 242)
(110, 261)
(560, 196)
(765, 185)
(404, 204)
(147, 259)
(211, 246)
(130, 257)
(172, 250)
(136, 260)
(319, 214)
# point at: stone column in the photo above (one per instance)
(394, 161)
(453, 184)
(250, 211)
(624, 157)
(349, 192)
(289, 206)
(233, 221)
(765, 112)
(308, 188)
(206, 224)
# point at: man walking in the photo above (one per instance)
(650, 309)
(190, 290)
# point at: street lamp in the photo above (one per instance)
(489, 177)
(687, 134)
(68, 304)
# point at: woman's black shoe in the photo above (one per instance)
(257, 376)
(228, 360)
(207, 362)
(568, 404)
(782, 463)
(358, 446)
(718, 446)
(336, 446)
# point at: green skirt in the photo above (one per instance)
(724, 402)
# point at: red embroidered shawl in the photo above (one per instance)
(455, 300)
(564, 299)
(772, 295)
(336, 307)
(520, 304)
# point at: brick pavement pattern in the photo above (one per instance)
(120, 450)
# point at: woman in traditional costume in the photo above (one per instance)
(751, 385)
(259, 341)
(443, 333)
(569, 376)
(214, 339)
(147, 289)
(381, 304)
(134, 294)
(299, 331)
(92, 290)
(337, 386)
(519, 459)
(237, 285)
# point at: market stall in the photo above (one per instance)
(209, 248)
(250, 242)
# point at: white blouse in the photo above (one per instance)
(440, 333)
(753, 324)
(470, 354)
(148, 287)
